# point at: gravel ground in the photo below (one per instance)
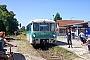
(24, 52)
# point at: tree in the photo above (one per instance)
(57, 17)
(7, 17)
(23, 28)
(2, 27)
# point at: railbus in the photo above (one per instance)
(41, 31)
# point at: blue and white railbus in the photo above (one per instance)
(41, 31)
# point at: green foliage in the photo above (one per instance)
(57, 17)
(23, 28)
(2, 26)
(7, 17)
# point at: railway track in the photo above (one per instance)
(43, 50)
(49, 56)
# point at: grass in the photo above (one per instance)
(62, 53)
(26, 48)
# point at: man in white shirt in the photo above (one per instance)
(82, 37)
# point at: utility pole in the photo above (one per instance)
(71, 18)
(53, 17)
(20, 30)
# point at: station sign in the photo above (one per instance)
(77, 25)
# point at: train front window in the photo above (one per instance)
(35, 27)
(44, 26)
(52, 27)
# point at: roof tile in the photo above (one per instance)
(66, 22)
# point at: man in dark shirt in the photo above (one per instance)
(69, 38)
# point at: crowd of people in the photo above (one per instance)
(83, 38)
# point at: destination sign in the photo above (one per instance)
(77, 25)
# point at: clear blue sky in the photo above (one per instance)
(27, 10)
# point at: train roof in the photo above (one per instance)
(42, 20)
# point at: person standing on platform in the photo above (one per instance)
(82, 37)
(69, 38)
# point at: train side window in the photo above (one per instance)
(52, 27)
(28, 28)
(35, 27)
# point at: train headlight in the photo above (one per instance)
(33, 35)
(54, 35)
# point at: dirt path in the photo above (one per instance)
(24, 52)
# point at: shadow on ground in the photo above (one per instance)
(9, 39)
(61, 43)
(47, 46)
(64, 43)
(77, 47)
(44, 47)
(18, 56)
